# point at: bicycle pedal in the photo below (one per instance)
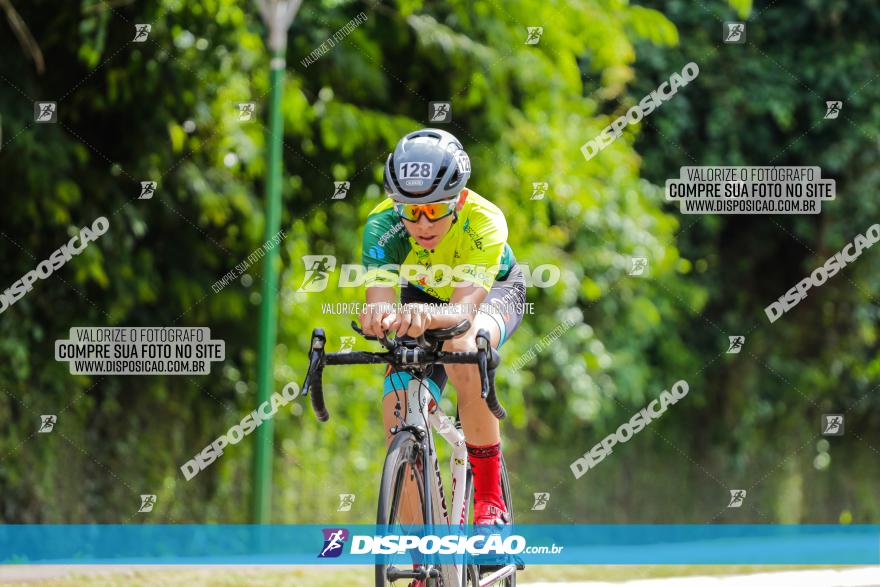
(392, 573)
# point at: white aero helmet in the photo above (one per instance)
(426, 166)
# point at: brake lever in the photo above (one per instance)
(307, 382)
(383, 340)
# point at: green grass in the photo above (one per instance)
(363, 577)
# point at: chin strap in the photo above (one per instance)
(461, 199)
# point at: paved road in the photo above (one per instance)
(19, 573)
(859, 577)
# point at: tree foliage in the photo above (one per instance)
(167, 110)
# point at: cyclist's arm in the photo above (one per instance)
(380, 255)
(480, 272)
(469, 296)
(414, 319)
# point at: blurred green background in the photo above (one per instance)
(166, 110)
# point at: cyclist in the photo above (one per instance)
(429, 224)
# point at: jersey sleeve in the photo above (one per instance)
(384, 248)
(487, 236)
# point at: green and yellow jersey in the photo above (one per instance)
(475, 250)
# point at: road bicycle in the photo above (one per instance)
(412, 453)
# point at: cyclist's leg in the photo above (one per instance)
(480, 426)
(500, 315)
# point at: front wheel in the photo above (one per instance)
(401, 496)
(470, 576)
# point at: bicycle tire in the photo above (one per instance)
(470, 573)
(508, 503)
(470, 576)
(404, 454)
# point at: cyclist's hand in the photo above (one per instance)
(412, 320)
(372, 318)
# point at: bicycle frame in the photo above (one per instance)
(417, 413)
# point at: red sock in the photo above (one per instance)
(486, 465)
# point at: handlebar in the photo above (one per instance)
(423, 353)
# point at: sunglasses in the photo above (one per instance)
(433, 211)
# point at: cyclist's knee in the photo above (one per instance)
(467, 342)
(464, 343)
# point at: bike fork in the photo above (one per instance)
(457, 464)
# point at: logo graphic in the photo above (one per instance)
(340, 190)
(535, 33)
(539, 189)
(147, 503)
(141, 32)
(347, 343)
(736, 344)
(463, 161)
(638, 266)
(148, 189)
(334, 540)
(646, 106)
(832, 424)
(45, 112)
(346, 500)
(736, 498)
(440, 111)
(735, 33)
(47, 423)
(318, 267)
(446, 424)
(377, 252)
(246, 111)
(541, 500)
(832, 109)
